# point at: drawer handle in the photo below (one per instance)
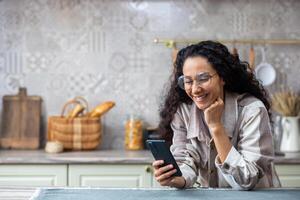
(148, 169)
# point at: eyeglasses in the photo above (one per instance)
(201, 80)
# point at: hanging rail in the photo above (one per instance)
(171, 43)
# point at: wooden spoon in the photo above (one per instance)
(174, 54)
(252, 58)
(235, 52)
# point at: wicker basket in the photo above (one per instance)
(79, 133)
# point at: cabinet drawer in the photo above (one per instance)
(289, 175)
(33, 175)
(125, 176)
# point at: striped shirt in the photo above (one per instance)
(249, 164)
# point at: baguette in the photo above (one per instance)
(76, 111)
(101, 109)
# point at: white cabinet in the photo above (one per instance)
(121, 175)
(104, 175)
(33, 175)
(289, 175)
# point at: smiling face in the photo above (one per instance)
(204, 94)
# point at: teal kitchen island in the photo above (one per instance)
(147, 194)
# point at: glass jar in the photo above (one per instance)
(134, 134)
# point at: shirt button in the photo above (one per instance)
(226, 166)
(211, 171)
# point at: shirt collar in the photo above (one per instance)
(230, 114)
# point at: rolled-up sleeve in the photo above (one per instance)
(184, 152)
(247, 163)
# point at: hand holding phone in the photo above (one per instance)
(160, 151)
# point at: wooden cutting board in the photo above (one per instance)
(21, 119)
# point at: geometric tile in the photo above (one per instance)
(11, 63)
(138, 42)
(12, 41)
(13, 82)
(38, 61)
(139, 103)
(118, 61)
(138, 62)
(104, 49)
(97, 83)
(139, 21)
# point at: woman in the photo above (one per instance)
(218, 114)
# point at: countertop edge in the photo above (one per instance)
(100, 157)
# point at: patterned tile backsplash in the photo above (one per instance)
(104, 50)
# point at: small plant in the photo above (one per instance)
(286, 103)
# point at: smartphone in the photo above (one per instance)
(161, 151)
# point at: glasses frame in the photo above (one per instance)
(182, 85)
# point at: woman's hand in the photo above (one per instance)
(213, 114)
(213, 118)
(163, 175)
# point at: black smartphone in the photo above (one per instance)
(161, 151)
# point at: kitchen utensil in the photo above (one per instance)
(251, 58)
(265, 71)
(21, 119)
(235, 52)
(174, 53)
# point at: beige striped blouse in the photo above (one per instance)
(249, 163)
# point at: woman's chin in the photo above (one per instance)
(202, 106)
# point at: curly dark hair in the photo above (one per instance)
(236, 74)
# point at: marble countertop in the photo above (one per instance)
(99, 157)
(288, 158)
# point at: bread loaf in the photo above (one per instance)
(76, 111)
(101, 109)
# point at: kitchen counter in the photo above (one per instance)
(288, 158)
(99, 157)
(166, 193)
(102, 168)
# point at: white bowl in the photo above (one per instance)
(265, 73)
